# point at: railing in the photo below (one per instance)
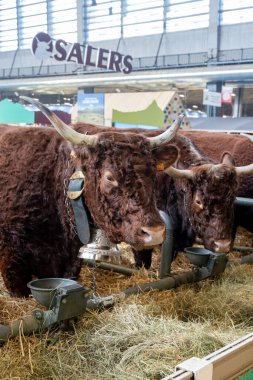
(141, 63)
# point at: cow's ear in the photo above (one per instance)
(227, 159)
(166, 156)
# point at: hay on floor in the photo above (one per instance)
(143, 337)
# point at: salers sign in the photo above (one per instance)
(44, 47)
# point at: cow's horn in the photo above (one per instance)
(64, 130)
(168, 134)
(247, 169)
(179, 173)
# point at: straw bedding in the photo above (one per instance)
(142, 337)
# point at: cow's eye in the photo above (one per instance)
(198, 202)
(110, 179)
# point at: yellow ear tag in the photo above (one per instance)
(160, 166)
(73, 154)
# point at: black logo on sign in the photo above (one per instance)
(42, 46)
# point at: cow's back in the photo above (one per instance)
(7, 128)
(28, 160)
(214, 144)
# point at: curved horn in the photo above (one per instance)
(179, 173)
(168, 134)
(250, 137)
(64, 130)
(240, 170)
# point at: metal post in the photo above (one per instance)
(167, 247)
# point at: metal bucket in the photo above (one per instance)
(45, 289)
(198, 256)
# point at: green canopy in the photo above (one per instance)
(152, 115)
(247, 376)
(15, 113)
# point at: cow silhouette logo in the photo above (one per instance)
(42, 46)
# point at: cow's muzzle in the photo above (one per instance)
(222, 246)
(152, 236)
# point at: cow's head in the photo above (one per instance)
(120, 176)
(207, 198)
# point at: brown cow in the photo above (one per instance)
(36, 235)
(189, 195)
(200, 196)
(241, 148)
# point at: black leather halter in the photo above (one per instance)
(75, 190)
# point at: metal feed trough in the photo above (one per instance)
(65, 299)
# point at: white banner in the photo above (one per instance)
(212, 98)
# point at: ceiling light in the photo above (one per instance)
(194, 106)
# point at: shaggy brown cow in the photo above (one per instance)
(241, 148)
(189, 195)
(36, 235)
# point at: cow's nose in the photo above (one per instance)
(222, 246)
(153, 235)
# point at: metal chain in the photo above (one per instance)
(67, 202)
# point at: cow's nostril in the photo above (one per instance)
(153, 235)
(146, 234)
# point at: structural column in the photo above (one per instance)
(80, 21)
(237, 107)
(213, 31)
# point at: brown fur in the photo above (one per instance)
(214, 188)
(241, 148)
(36, 237)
